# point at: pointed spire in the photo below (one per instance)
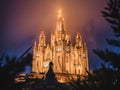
(78, 35)
(42, 35)
(84, 46)
(35, 43)
(60, 21)
(35, 46)
(42, 39)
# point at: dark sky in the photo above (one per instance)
(22, 20)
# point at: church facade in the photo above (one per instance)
(66, 57)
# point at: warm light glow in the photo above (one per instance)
(66, 59)
(59, 13)
(61, 80)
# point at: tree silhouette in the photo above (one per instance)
(106, 78)
(9, 67)
(112, 14)
(109, 78)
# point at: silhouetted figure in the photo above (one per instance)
(50, 75)
(49, 83)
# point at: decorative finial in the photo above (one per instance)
(59, 13)
(35, 43)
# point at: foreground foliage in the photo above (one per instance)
(9, 67)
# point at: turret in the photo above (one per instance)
(53, 39)
(68, 39)
(34, 58)
(78, 40)
(34, 50)
(42, 40)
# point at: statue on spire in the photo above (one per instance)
(60, 22)
(59, 13)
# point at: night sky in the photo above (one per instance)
(22, 20)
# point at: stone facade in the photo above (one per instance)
(67, 58)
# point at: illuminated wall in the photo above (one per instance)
(67, 58)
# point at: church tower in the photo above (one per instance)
(67, 58)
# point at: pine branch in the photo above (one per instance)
(109, 57)
(112, 15)
(113, 42)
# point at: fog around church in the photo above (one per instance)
(22, 20)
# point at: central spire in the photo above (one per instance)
(60, 21)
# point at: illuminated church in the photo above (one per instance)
(67, 58)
